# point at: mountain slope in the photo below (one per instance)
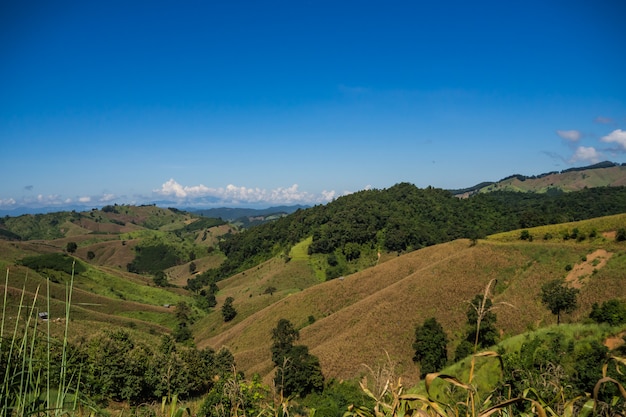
(604, 174)
(364, 315)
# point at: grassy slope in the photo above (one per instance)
(568, 181)
(357, 319)
(376, 310)
(106, 293)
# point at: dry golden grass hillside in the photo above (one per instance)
(361, 317)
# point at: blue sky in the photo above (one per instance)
(260, 103)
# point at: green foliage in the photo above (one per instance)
(205, 300)
(431, 347)
(54, 261)
(336, 398)
(117, 367)
(620, 236)
(559, 298)
(404, 217)
(298, 373)
(160, 279)
(612, 312)
(228, 311)
(71, 247)
(589, 359)
(182, 333)
(154, 258)
(39, 226)
(284, 335)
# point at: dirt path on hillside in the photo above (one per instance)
(582, 271)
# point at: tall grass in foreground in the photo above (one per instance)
(466, 400)
(32, 382)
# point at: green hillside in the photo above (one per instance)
(604, 174)
(354, 277)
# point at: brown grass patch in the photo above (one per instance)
(366, 314)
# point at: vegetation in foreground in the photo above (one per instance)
(563, 370)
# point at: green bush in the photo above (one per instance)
(612, 312)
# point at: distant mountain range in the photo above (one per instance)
(603, 174)
(230, 214)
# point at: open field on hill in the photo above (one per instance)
(359, 318)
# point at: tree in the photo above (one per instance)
(71, 247)
(160, 279)
(430, 347)
(183, 312)
(182, 332)
(299, 372)
(192, 267)
(558, 298)
(228, 311)
(283, 337)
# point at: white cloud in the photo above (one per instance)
(232, 194)
(106, 197)
(328, 195)
(617, 136)
(7, 202)
(84, 199)
(171, 187)
(571, 135)
(586, 154)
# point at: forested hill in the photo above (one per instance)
(403, 218)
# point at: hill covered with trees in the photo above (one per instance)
(350, 231)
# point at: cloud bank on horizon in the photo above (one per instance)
(171, 192)
(200, 195)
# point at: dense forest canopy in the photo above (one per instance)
(404, 218)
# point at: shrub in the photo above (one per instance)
(612, 312)
(228, 311)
